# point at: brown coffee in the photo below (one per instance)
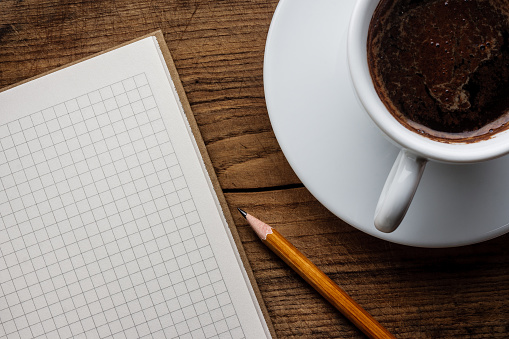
(441, 67)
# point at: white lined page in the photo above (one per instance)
(108, 225)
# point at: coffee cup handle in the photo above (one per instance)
(399, 190)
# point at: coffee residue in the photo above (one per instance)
(443, 64)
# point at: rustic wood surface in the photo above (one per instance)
(218, 50)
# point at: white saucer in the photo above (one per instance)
(339, 154)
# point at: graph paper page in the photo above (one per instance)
(108, 225)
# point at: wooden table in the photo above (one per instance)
(218, 50)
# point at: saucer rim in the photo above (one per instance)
(495, 232)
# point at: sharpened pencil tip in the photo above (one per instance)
(244, 214)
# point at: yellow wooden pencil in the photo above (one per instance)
(317, 279)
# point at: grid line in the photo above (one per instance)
(99, 232)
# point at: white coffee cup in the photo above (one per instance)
(416, 150)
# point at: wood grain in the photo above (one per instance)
(218, 50)
(317, 279)
(413, 292)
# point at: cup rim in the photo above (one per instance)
(452, 152)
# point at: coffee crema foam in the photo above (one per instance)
(441, 67)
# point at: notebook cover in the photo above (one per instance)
(201, 146)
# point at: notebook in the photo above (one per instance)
(111, 223)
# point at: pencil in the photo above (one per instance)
(317, 279)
